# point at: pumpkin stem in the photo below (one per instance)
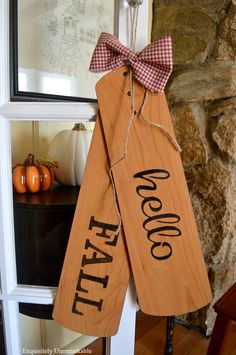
(29, 160)
(47, 161)
(79, 127)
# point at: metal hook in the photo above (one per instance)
(135, 3)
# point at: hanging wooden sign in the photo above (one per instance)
(133, 172)
(160, 230)
(96, 272)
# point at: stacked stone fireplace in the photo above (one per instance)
(202, 99)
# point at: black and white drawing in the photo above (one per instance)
(61, 36)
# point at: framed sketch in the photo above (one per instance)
(52, 42)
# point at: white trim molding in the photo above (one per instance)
(47, 111)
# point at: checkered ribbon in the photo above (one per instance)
(151, 67)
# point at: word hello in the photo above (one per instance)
(151, 207)
(94, 255)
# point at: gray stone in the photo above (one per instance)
(211, 184)
(224, 134)
(189, 135)
(227, 41)
(214, 204)
(210, 82)
(223, 107)
(213, 8)
(202, 97)
(191, 29)
(223, 127)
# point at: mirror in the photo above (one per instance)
(52, 42)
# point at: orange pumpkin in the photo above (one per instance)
(32, 177)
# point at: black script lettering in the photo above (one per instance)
(165, 232)
(154, 249)
(161, 174)
(104, 227)
(92, 278)
(150, 207)
(162, 218)
(147, 200)
(95, 259)
(77, 299)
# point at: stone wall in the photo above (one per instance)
(202, 98)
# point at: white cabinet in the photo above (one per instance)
(18, 328)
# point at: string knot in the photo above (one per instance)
(132, 57)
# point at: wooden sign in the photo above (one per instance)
(160, 230)
(96, 272)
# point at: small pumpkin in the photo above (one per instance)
(70, 148)
(32, 177)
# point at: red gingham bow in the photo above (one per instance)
(151, 67)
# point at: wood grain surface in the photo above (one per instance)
(160, 230)
(96, 272)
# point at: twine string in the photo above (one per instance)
(133, 14)
(125, 152)
(171, 138)
(133, 24)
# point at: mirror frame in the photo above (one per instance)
(15, 93)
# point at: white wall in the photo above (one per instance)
(35, 137)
